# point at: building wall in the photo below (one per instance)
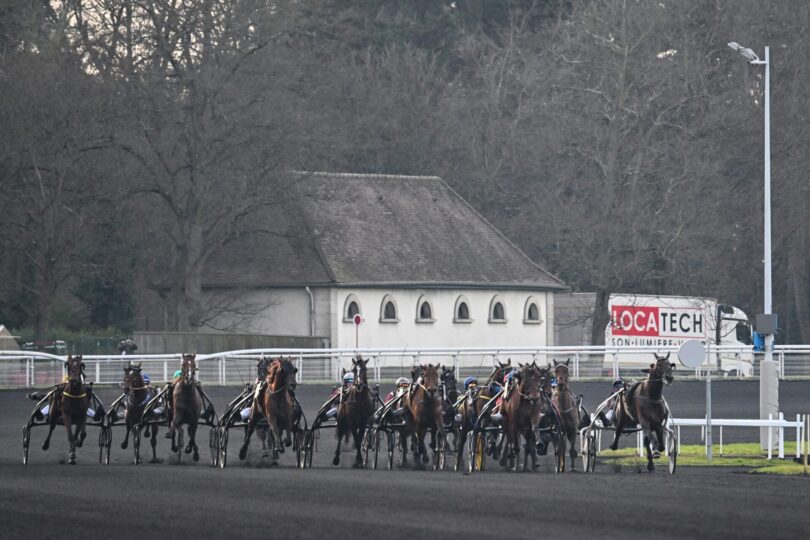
(443, 331)
(281, 312)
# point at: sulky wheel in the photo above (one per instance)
(559, 455)
(179, 436)
(366, 447)
(222, 448)
(391, 439)
(439, 453)
(377, 441)
(136, 444)
(590, 453)
(26, 441)
(672, 450)
(299, 445)
(213, 445)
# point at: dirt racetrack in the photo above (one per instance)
(47, 499)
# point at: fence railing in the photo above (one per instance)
(20, 369)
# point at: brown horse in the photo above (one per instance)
(521, 409)
(568, 409)
(470, 408)
(138, 395)
(186, 405)
(70, 400)
(276, 401)
(643, 404)
(423, 406)
(355, 408)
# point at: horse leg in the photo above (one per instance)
(51, 425)
(659, 434)
(153, 440)
(423, 454)
(248, 432)
(125, 442)
(278, 448)
(71, 439)
(572, 440)
(403, 443)
(192, 442)
(358, 444)
(81, 430)
(619, 423)
(460, 441)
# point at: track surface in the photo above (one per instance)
(49, 499)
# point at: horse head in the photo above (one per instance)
(75, 369)
(448, 378)
(359, 368)
(561, 373)
(189, 367)
(133, 379)
(662, 369)
(530, 383)
(281, 373)
(430, 378)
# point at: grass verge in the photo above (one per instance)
(738, 455)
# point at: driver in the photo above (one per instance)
(348, 381)
(607, 417)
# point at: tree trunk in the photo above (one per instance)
(601, 317)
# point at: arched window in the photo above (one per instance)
(424, 311)
(461, 313)
(531, 312)
(351, 308)
(388, 309)
(497, 312)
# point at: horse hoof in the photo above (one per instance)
(168, 435)
(336, 461)
(124, 445)
(156, 460)
(357, 465)
(196, 456)
(265, 454)
(650, 467)
(242, 453)
(287, 443)
(45, 446)
(656, 454)
(274, 464)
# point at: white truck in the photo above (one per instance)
(638, 320)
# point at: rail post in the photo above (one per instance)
(299, 365)
(770, 436)
(781, 364)
(98, 371)
(576, 365)
(28, 370)
(456, 367)
(165, 370)
(616, 365)
(781, 436)
(377, 369)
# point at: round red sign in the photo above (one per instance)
(358, 319)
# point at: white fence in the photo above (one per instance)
(29, 369)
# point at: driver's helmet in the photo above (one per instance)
(470, 381)
(348, 378)
(618, 383)
(554, 382)
(146, 379)
(178, 373)
(402, 381)
(509, 375)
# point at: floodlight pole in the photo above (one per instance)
(768, 374)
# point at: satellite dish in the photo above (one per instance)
(691, 353)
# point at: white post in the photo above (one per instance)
(781, 436)
(98, 371)
(770, 437)
(300, 365)
(798, 435)
(29, 372)
(165, 370)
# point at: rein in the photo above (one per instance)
(80, 396)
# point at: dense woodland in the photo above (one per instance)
(619, 143)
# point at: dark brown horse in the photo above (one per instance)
(277, 403)
(568, 408)
(470, 408)
(137, 395)
(643, 404)
(355, 407)
(70, 401)
(521, 409)
(186, 405)
(423, 405)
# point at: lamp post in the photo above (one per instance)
(768, 377)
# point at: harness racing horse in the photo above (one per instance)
(70, 400)
(355, 408)
(137, 396)
(470, 408)
(568, 408)
(521, 409)
(643, 404)
(186, 406)
(423, 403)
(275, 400)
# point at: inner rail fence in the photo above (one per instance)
(24, 369)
